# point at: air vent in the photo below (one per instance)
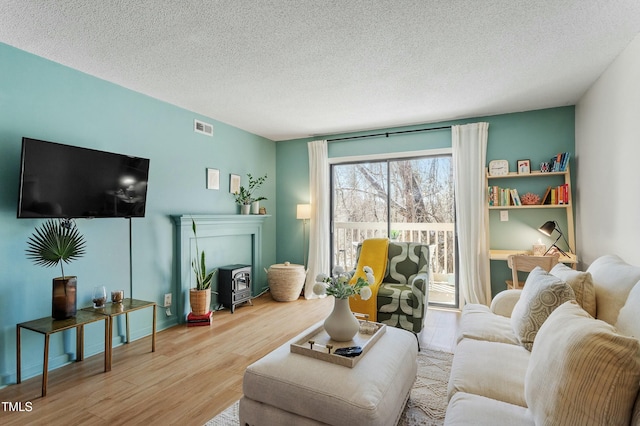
(202, 127)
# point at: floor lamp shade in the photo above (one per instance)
(303, 211)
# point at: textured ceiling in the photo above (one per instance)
(286, 69)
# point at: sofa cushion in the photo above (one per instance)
(466, 409)
(495, 370)
(582, 285)
(581, 371)
(479, 322)
(613, 279)
(542, 293)
(629, 318)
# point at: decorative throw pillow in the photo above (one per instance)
(581, 371)
(542, 293)
(582, 285)
(628, 323)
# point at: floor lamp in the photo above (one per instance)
(303, 211)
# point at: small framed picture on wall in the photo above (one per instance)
(234, 183)
(524, 167)
(213, 179)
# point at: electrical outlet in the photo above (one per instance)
(167, 300)
(504, 215)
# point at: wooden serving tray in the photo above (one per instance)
(321, 339)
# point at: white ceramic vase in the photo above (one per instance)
(341, 325)
(245, 208)
(255, 207)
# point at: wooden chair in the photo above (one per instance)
(526, 263)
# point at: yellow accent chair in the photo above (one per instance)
(403, 294)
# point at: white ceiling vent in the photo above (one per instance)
(202, 127)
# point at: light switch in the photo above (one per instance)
(504, 215)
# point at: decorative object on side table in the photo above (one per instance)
(530, 199)
(341, 325)
(117, 296)
(99, 297)
(200, 296)
(53, 243)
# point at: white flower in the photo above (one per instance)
(370, 278)
(365, 293)
(367, 270)
(320, 289)
(338, 270)
(343, 278)
(321, 278)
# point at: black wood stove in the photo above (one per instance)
(234, 285)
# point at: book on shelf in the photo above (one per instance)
(558, 195)
(560, 161)
(547, 196)
(515, 197)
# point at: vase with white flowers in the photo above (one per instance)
(341, 325)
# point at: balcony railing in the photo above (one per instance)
(347, 236)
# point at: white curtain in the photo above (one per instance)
(319, 187)
(469, 144)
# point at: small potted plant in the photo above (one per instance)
(200, 296)
(58, 242)
(243, 199)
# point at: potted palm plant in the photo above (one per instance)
(58, 242)
(200, 296)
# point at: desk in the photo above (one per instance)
(504, 254)
(112, 310)
(49, 326)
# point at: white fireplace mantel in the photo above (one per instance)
(210, 228)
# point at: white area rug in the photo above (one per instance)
(426, 406)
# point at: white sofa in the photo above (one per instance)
(580, 370)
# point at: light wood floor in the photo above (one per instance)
(194, 374)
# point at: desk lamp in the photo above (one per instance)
(547, 229)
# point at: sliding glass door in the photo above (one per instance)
(408, 199)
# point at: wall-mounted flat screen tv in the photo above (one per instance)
(64, 181)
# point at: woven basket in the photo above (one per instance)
(200, 301)
(286, 281)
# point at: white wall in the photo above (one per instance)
(608, 162)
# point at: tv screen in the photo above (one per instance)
(64, 181)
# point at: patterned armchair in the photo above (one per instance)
(404, 293)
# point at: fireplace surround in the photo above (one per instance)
(215, 232)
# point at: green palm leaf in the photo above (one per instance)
(55, 242)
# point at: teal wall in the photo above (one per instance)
(534, 135)
(45, 100)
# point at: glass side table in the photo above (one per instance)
(49, 326)
(112, 310)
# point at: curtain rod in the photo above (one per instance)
(386, 134)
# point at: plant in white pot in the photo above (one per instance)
(200, 296)
(58, 242)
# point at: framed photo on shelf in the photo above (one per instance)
(524, 167)
(213, 179)
(234, 183)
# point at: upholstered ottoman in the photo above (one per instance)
(288, 388)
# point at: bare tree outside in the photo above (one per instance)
(406, 200)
